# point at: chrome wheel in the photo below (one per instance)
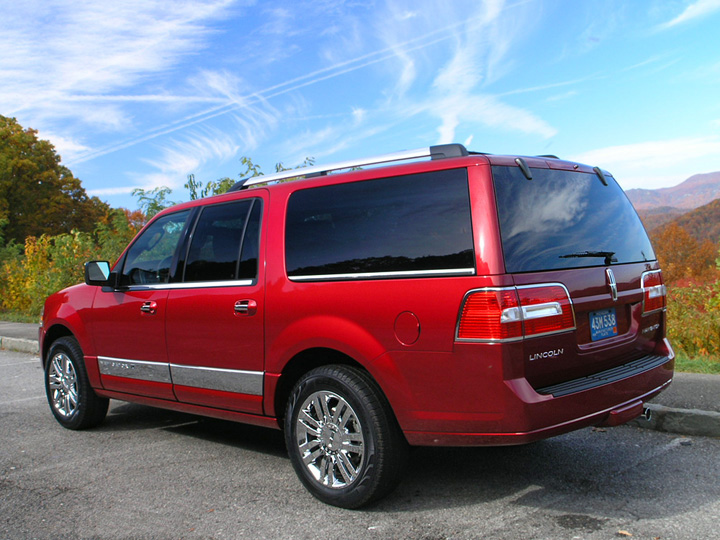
(63, 383)
(72, 399)
(343, 440)
(330, 439)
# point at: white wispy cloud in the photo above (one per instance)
(177, 158)
(654, 163)
(416, 39)
(696, 10)
(66, 147)
(64, 60)
(457, 96)
(653, 153)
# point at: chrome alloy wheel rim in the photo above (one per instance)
(330, 439)
(62, 380)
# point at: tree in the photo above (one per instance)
(681, 256)
(197, 191)
(38, 195)
(153, 201)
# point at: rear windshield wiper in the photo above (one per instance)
(608, 255)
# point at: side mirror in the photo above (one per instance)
(97, 273)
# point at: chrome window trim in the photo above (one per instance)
(398, 274)
(225, 380)
(192, 285)
(135, 369)
(522, 313)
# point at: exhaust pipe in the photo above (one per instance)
(647, 413)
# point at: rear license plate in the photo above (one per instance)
(603, 324)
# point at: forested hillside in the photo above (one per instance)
(702, 223)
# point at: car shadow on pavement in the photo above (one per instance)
(608, 473)
(133, 417)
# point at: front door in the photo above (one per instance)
(129, 323)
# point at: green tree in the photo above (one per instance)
(153, 201)
(38, 195)
(197, 191)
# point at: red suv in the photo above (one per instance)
(465, 299)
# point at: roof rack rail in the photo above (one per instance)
(441, 151)
(551, 156)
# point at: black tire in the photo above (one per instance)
(72, 400)
(342, 437)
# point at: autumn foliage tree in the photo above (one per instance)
(681, 256)
(38, 195)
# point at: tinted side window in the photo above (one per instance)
(565, 219)
(407, 224)
(216, 242)
(248, 267)
(149, 259)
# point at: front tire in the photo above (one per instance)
(342, 437)
(72, 400)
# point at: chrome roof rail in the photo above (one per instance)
(435, 152)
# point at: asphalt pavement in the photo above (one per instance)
(690, 406)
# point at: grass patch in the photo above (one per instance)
(697, 364)
(12, 316)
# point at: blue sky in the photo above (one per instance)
(141, 93)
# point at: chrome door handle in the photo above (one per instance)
(149, 307)
(246, 308)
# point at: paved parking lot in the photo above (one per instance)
(153, 474)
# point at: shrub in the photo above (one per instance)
(694, 319)
(51, 263)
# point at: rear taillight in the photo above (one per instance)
(491, 314)
(513, 313)
(653, 291)
(546, 310)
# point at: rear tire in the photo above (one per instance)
(342, 437)
(72, 400)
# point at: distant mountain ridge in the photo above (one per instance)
(696, 191)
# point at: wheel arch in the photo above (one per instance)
(304, 362)
(52, 334)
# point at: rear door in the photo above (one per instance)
(575, 230)
(215, 314)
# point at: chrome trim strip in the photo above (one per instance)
(567, 293)
(370, 275)
(539, 311)
(192, 285)
(135, 369)
(225, 380)
(612, 284)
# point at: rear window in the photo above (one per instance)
(566, 219)
(414, 225)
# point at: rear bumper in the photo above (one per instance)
(528, 415)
